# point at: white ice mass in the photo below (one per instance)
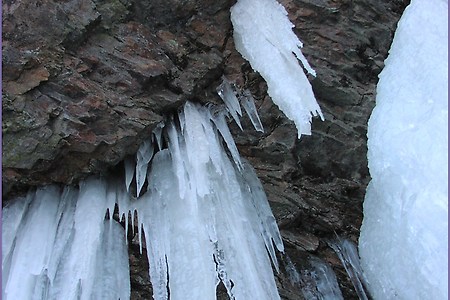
(204, 213)
(316, 280)
(56, 245)
(263, 35)
(404, 236)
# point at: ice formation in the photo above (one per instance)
(317, 281)
(204, 213)
(263, 35)
(56, 245)
(348, 254)
(404, 236)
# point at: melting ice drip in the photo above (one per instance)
(205, 216)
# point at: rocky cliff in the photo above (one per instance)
(84, 81)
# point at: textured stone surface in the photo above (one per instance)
(85, 80)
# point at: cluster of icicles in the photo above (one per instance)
(204, 213)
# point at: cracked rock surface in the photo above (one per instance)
(85, 81)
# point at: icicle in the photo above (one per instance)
(221, 125)
(228, 96)
(291, 270)
(248, 103)
(215, 146)
(177, 156)
(263, 35)
(267, 224)
(88, 229)
(12, 215)
(125, 216)
(155, 222)
(182, 120)
(112, 276)
(64, 230)
(157, 132)
(348, 255)
(198, 145)
(319, 282)
(133, 223)
(144, 155)
(129, 171)
(33, 246)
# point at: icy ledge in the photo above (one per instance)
(263, 35)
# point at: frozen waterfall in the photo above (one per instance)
(201, 206)
(404, 236)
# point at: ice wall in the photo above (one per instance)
(404, 236)
(263, 35)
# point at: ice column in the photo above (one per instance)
(205, 213)
(404, 236)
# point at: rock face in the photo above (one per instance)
(84, 81)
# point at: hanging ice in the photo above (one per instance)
(316, 281)
(404, 236)
(263, 35)
(323, 284)
(218, 228)
(348, 254)
(225, 91)
(204, 213)
(248, 103)
(57, 251)
(143, 157)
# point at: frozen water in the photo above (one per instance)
(218, 228)
(291, 270)
(263, 35)
(248, 103)
(348, 254)
(32, 246)
(204, 213)
(143, 157)
(319, 281)
(12, 215)
(129, 171)
(56, 250)
(404, 236)
(112, 269)
(157, 132)
(222, 126)
(316, 280)
(226, 92)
